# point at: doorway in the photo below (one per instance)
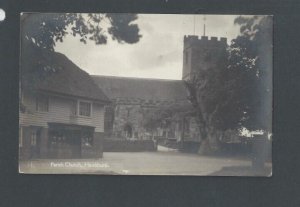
(128, 130)
(35, 143)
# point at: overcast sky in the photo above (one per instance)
(158, 54)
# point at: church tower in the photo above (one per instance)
(200, 54)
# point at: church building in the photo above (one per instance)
(148, 108)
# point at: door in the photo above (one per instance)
(128, 130)
(35, 143)
(74, 143)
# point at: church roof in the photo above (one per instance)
(141, 88)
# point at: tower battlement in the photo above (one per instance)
(202, 53)
(194, 40)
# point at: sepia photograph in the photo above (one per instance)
(146, 94)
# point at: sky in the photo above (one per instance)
(159, 52)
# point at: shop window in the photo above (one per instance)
(42, 103)
(85, 108)
(56, 137)
(87, 139)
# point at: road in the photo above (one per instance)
(169, 162)
(163, 162)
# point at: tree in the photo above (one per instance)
(211, 94)
(45, 29)
(41, 31)
(155, 118)
(162, 116)
(250, 59)
(236, 93)
(254, 70)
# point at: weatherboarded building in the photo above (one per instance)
(61, 114)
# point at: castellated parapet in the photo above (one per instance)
(200, 54)
(193, 40)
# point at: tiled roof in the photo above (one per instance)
(141, 88)
(68, 78)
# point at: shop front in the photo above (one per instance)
(70, 141)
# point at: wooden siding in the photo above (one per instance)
(60, 112)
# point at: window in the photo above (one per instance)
(42, 103)
(85, 108)
(128, 112)
(33, 138)
(74, 108)
(187, 125)
(117, 110)
(87, 138)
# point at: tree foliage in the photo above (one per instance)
(162, 116)
(41, 31)
(45, 29)
(156, 118)
(250, 60)
(210, 95)
(237, 93)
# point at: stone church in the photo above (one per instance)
(148, 108)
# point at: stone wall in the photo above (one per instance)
(202, 54)
(121, 145)
(132, 121)
(128, 120)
